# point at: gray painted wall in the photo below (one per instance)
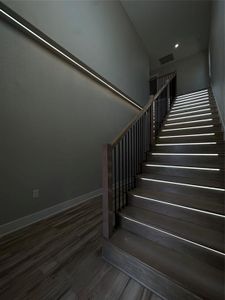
(217, 56)
(53, 119)
(192, 72)
(99, 33)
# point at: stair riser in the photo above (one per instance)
(157, 186)
(206, 220)
(211, 149)
(191, 131)
(192, 139)
(214, 175)
(198, 161)
(215, 122)
(173, 243)
(146, 275)
(197, 103)
(192, 118)
(192, 112)
(190, 101)
(194, 105)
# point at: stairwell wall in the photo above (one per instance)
(192, 72)
(53, 118)
(217, 56)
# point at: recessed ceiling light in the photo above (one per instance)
(176, 46)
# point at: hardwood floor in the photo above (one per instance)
(60, 258)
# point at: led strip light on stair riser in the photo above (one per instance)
(203, 106)
(180, 98)
(205, 95)
(194, 101)
(200, 91)
(199, 97)
(191, 105)
(188, 144)
(180, 206)
(185, 154)
(70, 59)
(188, 128)
(173, 114)
(184, 184)
(181, 167)
(189, 117)
(186, 135)
(193, 94)
(190, 100)
(173, 235)
(189, 122)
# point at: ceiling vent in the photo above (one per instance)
(165, 59)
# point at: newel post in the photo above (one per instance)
(107, 205)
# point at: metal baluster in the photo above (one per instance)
(119, 169)
(122, 165)
(128, 158)
(126, 168)
(115, 183)
(131, 157)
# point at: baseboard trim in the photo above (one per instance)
(46, 213)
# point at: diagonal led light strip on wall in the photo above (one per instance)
(74, 62)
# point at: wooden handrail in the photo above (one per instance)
(142, 112)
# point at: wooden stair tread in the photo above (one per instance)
(192, 117)
(166, 139)
(186, 180)
(214, 121)
(191, 161)
(191, 112)
(210, 204)
(179, 172)
(191, 130)
(206, 149)
(182, 270)
(192, 232)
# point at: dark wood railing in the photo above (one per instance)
(123, 158)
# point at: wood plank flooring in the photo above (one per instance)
(60, 258)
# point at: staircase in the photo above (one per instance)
(170, 236)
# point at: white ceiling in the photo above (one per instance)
(163, 23)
